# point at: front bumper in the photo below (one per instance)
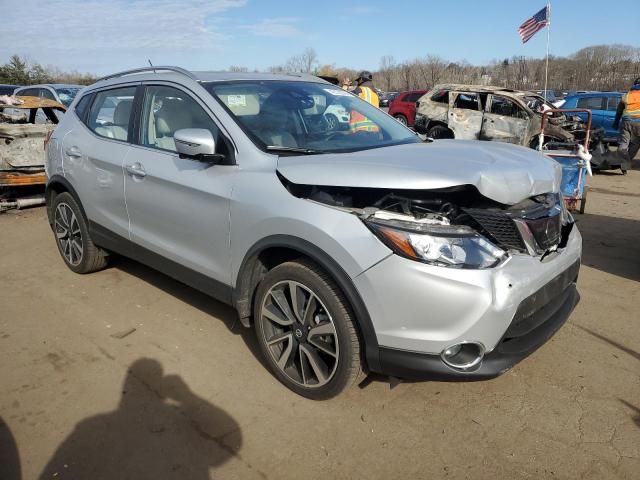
(420, 124)
(418, 310)
(510, 350)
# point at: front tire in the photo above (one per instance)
(77, 249)
(306, 330)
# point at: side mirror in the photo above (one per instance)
(196, 143)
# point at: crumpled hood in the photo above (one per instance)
(505, 173)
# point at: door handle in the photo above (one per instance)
(73, 152)
(136, 170)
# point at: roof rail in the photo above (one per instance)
(150, 69)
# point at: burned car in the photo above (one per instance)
(25, 125)
(473, 112)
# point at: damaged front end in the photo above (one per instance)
(452, 227)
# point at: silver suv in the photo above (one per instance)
(350, 250)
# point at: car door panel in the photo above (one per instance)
(93, 161)
(465, 123)
(179, 207)
(504, 125)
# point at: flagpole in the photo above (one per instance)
(546, 68)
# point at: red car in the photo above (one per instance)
(403, 108)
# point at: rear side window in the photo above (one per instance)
(592, 103)
(83, 106)
(612, 106)
(110, 113)
(413, 97)
(441, 96)
(467, 101)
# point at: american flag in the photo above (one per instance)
(534, 24)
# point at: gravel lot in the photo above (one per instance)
(185, 395)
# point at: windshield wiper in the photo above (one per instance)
(282, 149)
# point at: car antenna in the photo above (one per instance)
(151, 65)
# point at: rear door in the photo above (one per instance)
(179, 207)
(597, 105)
(504, 121)
(609, 115)
(465, 115)
(93, 152)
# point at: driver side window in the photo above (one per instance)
(167, 110)
(505, 107)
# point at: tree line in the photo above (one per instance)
(18, 71)
(600, 67)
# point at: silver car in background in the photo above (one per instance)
(349, 251)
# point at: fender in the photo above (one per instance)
(251, 269)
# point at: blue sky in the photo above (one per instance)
(103, 36)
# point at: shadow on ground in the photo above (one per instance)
(193, 297)
(160, 430)
(9, 457)
(634, 409)
(611, 244)
(611, 342)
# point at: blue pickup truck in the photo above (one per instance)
(603, 107)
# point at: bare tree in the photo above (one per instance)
(304, 62)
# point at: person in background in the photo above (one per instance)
(629, 112)
(346, 84)
(365, 88)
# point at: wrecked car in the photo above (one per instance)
(348, 252)
(474, 112)
(25, 124)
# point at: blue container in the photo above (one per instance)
(573, 176)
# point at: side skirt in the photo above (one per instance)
(115, 243)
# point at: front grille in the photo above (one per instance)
(499, 226)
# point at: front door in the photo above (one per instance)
(179, 207)
(504, 121)
(465, 115)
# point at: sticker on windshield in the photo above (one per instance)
(237, 100)
(336, 92)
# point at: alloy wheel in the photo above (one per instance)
(68, 234)
(300, 334)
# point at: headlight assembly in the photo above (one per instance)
(455, 246)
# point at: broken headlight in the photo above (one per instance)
(443, 245)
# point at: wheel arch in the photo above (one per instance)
(276, 249)
(56, 185)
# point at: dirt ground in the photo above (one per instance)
(185, 395)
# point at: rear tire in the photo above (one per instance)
(440, 132)
(402, 119)
(306, 330)
(70, 228)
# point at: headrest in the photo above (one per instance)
(172, 116)
(122, 112)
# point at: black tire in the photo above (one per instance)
(346, 360)
(440, 132)
(73, 236)
(402, 119)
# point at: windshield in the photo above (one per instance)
(300, 117)
(67, 94)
